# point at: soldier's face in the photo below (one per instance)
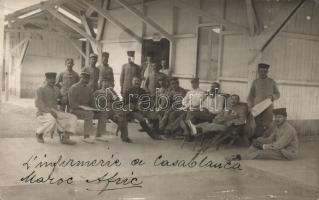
(130, 59)
(136, 82)
(154, 66)
(69, 64)
(105, 59)
(195, 85)
(174, 84)
(85, 79)
(93, 60)
(214, 88)
(51, 81)
(234, 100)
(262, 72)
(279, 119)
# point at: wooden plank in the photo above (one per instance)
(69, 23)
(215, 18)
(8, 63)
(21, 43)
(1, 45)
(112, 19)
(145, 19)
(87, 25)
(32, 8)
(36, 31)
(23, 52)
(267, 35)
(101, 20)
(252, 17)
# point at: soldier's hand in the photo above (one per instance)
(54, 114)
(257, 144)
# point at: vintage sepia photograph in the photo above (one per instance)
(159, 99)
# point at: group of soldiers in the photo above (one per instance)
(170, 111)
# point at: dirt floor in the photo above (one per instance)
(298, 179)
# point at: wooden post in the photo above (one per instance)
(1, 45)
(8, 63)
(172, 50)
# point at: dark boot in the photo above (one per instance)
(65, 139)
(149, 131)
(124, 133)
(39, 137)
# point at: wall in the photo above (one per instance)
(44, 54)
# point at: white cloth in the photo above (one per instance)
(47, 124)
(214, 104)
(260, 107)
(194, 98)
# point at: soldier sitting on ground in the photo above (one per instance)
(282, 144)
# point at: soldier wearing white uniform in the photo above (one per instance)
(51, 120)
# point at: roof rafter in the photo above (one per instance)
(112, 19)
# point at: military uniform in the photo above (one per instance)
(235, 116)
(105, 99)
(106, 73)
(94, 77)
(173, 116)
(46, 102)
(65, 80)
(129, 70)
(81, 95)
(282, 144)
(261, 89)
(152, 81)
(132, 100)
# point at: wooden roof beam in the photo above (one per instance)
(145, 19)
(70, 24)
(265, 37)
(252, 17)
(32, 8)
(87, 25)
(112, 19)
(101, 20)
(42, 32)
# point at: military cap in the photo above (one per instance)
(280, 111)
(50, 75)
(263, 65)
(93, 55)
(130, 53)
(106, 54)
(85, 74)
(195, 80)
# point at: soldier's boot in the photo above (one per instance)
(124, 135)
(65, 139)
(39, 137)
(149, 131)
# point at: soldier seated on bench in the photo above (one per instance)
(50, 119)
(81, 101)
(229, 120)
(282, 144)
(104, 99)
